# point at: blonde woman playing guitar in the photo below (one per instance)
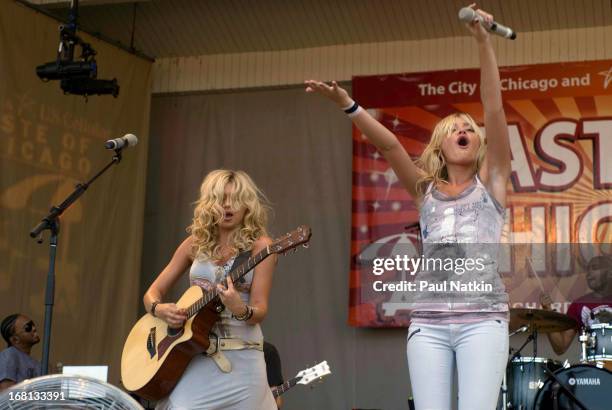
(229, 218)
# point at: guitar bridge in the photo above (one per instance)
(151, 343)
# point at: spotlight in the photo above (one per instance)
(62, 70)
(76, 77)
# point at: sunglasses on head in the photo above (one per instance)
(28, 327)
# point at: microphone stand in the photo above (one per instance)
(51, 222)
(516, 354)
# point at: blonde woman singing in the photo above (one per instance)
(459, 186)
(229, 218)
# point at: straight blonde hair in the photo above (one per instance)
(432, 161)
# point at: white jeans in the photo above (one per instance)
(480, 350)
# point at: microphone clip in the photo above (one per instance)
(118, 155)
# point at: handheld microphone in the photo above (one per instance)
(128, 140)
(467, 15)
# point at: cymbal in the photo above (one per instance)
(544, 321)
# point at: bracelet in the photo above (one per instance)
(153, 306)
(352, 110)
(245, 316)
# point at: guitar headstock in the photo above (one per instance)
(317, 372)
(291, 240)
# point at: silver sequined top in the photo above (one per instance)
(465, 226)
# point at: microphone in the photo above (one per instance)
(521, 329)
(128, 140)
(467, 15)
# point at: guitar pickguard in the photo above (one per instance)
(165, 343)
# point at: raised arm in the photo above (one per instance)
(495, 169)
(384, 140)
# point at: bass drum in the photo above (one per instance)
(524, 377)
(589, 384)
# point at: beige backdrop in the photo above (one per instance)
(48, 142)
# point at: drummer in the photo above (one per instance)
(590, 309)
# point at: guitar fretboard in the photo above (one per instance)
(236, 274)
(285, 386)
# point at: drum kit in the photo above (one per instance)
(537, 383)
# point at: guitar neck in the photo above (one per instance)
(235, 274)
(279, 390)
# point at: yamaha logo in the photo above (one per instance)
(584, 381)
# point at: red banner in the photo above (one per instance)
(560, 127)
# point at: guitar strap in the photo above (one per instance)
(216, 346)
(241, 258)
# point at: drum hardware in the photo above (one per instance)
(525, 376)
(533, 337)
(523, 373)
(590, 388)
(519, 330)
(565, 389)
(544, 384)
(545, 321)
(596, 345)
(504, 392)
(584, 340)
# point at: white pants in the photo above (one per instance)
(480, 351)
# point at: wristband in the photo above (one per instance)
(353, 109)
(347, 107)
(153, 306)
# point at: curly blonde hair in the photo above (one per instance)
(208, 213)
(432, 160)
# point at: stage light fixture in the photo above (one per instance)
(76, 76)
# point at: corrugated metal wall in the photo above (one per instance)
(205, 45)
(290, 67)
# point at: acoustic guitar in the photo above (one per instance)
(155, 355)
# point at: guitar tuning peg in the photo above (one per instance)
(294, 250)
(306, 245)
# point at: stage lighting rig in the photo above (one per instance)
(76, 77)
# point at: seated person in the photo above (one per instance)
(590, 309)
